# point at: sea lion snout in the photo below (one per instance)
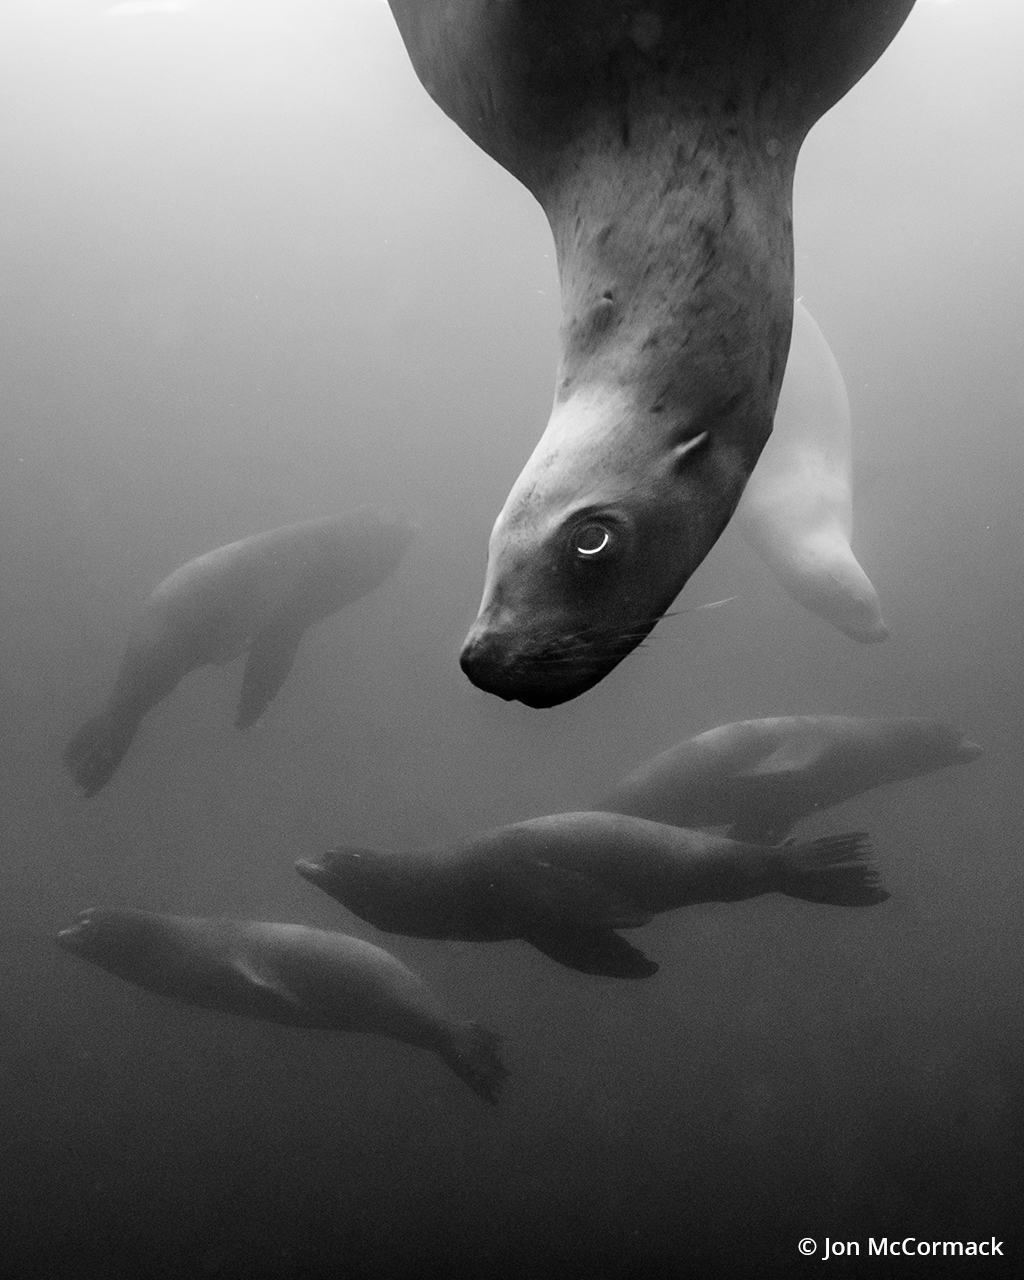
(541, 676)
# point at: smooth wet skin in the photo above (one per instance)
(761, 776)
(797, 510)
(258, 596)
(660, 137)
(567, 882)
(288, 974)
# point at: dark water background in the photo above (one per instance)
(250, 275)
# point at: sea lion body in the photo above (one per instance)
(566, 882)
(762, 776)
(257, 596)
(797, 509)
(660, 137)
(284, 973)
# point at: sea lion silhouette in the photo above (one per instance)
(285, 973)
(660, 137)
(762, 776)
(797, 508)
(565, 883)
(257, 596)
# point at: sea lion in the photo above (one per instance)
(660, 137)
(566, 882)
(762, 776)
(285, 973)
(797, 509)
(257, 596)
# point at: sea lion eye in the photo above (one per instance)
(591, 539)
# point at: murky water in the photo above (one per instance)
(250, 275)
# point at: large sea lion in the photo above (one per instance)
(257, 596)
(566, 882)
(660, 137)
(797, 509)
(762, 776)
(285, 973)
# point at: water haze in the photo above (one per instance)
(251, 275)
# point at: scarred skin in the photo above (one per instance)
(660, 136)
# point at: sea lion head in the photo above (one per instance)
(365, 881)
(660, 137)
(921, 745)
(614, 511)
(117, 939)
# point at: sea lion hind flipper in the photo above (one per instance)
(839, 870)
(95, 751)
(474, 1054)
(557, 897)
(271, 655)
(596, 951)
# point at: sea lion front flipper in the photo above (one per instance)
(271, 655)
(95, 751)
(597, 951)
(555, 897)
(264, 986)
(791, 757)
(773, 830)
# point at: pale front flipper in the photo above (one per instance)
(99, 746)
(270, 659)
(797, 509)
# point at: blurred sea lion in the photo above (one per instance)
(660, 137)
(257, 596)
(565, 883)
(762, 776)
(797, 508)
(285, 973)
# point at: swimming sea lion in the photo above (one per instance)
(259, 596)
(660, 137)
(762, 776)
(566, 882)
(285, 973)
(797, 509)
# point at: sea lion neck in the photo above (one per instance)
(675, 262)
(660, 136)
(676, 271)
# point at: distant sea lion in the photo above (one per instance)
(566, 882)
(762, 776)
(797, 509)
(660, 137)
(285, 973)
(259, 595)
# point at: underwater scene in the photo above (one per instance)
(510, 660)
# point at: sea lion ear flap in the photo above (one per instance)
(681, 452)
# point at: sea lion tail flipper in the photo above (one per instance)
(95, 751)
(840, 870)
(271, 655)
(474, 1054)
(600, 952)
